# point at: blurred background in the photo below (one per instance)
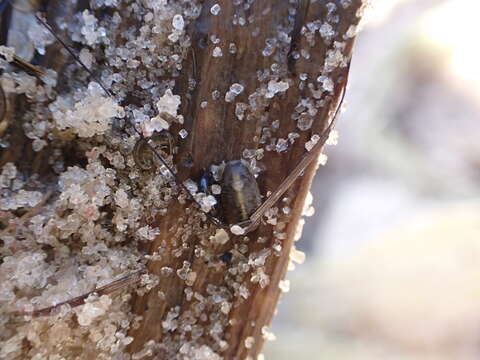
(393, 249)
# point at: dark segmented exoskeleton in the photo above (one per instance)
(240, 195)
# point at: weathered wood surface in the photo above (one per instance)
(216, 135)
(204, 307)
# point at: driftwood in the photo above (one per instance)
(217, 292)
(216, 135)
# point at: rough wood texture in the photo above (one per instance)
(216, 135)
(284, 64)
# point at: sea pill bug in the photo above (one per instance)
(237, 193)
(240, 195)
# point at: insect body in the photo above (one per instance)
(240, 195)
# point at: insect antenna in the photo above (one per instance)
(74, 56)
(211, 218)
(307, 159)
(27, 67)
(111, 287)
